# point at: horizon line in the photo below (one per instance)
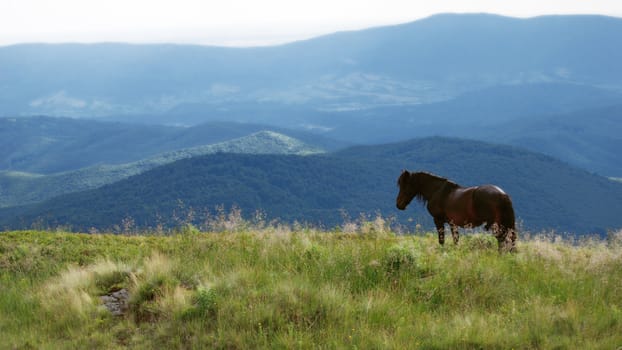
(266, 40)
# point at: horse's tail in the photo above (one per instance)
(507, 214)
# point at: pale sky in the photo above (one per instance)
(243, 22)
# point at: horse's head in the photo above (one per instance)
(408, 189)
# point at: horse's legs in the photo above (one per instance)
(440, 228)
(506, 239)
(455, 233)
(500, 233)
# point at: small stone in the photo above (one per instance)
(107, 299)
(121, 294)
(116, 302)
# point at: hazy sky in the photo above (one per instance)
(243, 22)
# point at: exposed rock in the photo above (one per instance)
(116, 302)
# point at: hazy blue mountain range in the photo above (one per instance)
(18, 188)
(470, 114)
(51, 145)
(318, 188)
(590, 139)
(469, 76)
(428, 60)
(549, 84)
(542, 117)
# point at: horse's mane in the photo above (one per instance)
(440, 185)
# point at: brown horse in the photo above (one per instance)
(459, 206)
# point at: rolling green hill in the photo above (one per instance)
(49, 145)
(547, 194)
(18, 188)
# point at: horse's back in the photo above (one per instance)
(460, 207)
(490, 191)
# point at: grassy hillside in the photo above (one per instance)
(273, 287)
(23, 188)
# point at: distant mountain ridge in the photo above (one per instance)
(588, 138)
(466, 76)
(50, 145)
(319, 189)
(420, 62)
(23, 188)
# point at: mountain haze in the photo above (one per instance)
(419, 62)
(49, 145)
(467, 76)
(590, 139)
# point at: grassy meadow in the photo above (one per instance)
(290, 288)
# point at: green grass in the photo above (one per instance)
(283, 288)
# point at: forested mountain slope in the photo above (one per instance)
(547, 194)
